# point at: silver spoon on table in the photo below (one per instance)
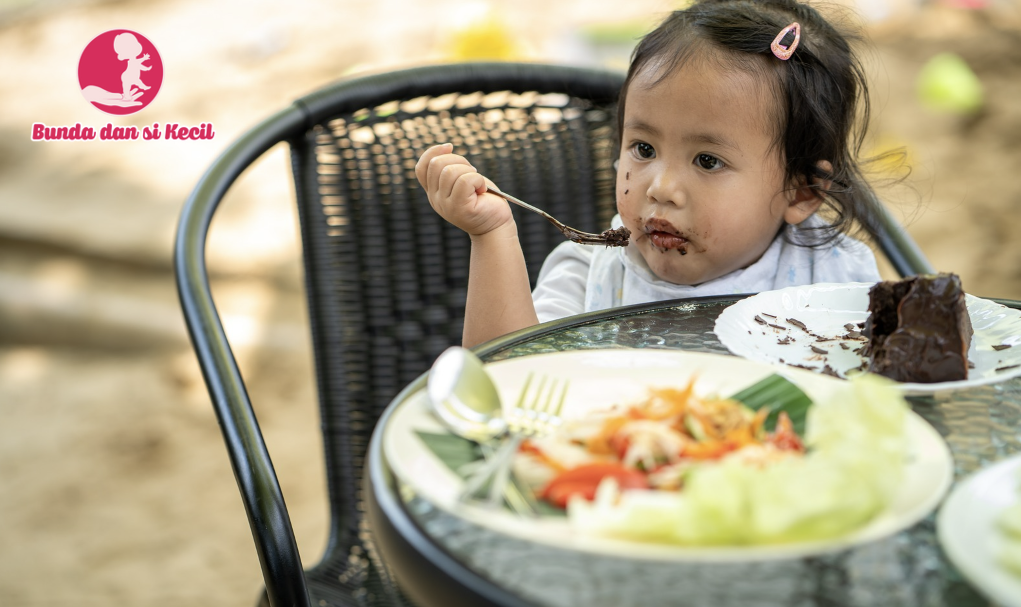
(465, 399)
(615, 237)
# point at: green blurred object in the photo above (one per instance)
(629, 32)
(947, 84)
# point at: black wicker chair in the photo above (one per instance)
(386, 277)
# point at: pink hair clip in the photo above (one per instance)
(785, 52)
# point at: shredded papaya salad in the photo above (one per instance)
(686, 468)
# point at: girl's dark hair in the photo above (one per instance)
(820, 91)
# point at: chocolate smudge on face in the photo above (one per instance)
(627, 175)
(626, 191)
(683, 251)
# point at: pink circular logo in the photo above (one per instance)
(120, 72)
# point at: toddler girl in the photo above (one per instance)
(736, 125)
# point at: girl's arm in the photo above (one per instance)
(499, 296)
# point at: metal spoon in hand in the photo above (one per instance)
(615, 237)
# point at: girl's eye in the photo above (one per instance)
(644, 150)
(709, 162)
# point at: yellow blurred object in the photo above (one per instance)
(889, 155)
(947, 84)
(484, 39)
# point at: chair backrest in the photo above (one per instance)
(386, 277)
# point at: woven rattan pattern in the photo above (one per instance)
(387, 277)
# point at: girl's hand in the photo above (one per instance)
(458, 192)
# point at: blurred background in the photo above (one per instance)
(114, 484)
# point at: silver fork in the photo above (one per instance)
(536, 413)
(616, 237)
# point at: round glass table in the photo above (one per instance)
(440, 559)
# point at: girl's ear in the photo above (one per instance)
(806, 199)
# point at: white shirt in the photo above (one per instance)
(579, 278)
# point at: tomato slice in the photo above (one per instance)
(584, 480)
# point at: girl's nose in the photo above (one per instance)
(666, 188)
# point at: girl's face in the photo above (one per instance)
(700, 184)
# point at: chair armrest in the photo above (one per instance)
(253, 470)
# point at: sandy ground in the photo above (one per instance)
(114, 485)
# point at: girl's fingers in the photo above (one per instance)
(450, 175)
(438, 166)
(435, 166)
(468, 184)
(422, 166)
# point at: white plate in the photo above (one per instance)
(600, 378)
(966, 527)
(825, 308)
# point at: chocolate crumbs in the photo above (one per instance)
(806, 367)
(828, 370)
(797, 323)
(616, 237)
(998, 369)
(818, 350)
(999, 347)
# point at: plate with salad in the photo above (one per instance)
(692, 456)
(979, 527)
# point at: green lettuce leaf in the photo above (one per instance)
(777, 394)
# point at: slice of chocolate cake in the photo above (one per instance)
(919, 329)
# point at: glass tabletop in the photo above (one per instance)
(979, 424)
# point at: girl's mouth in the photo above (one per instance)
(665, 240)
(664, 236)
